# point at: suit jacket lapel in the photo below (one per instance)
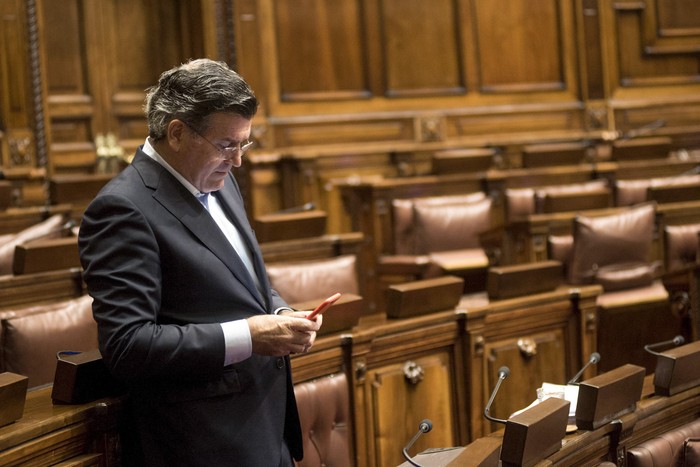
(232, 203)
(174, 197)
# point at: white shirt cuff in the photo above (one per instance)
(239, 344)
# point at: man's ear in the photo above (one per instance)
(175, 134)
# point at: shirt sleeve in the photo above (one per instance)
(237, 340)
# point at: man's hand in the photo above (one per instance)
(279, 335)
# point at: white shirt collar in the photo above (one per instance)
(150, 151)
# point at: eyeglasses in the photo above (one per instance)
(226, 152)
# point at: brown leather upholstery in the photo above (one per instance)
(301, 281)
(691, 451)
(621, 276)
(623, 238)
(559, 248)
(630, 192)
(450, 212)
(522, 202)
(674, 448)
(49, 228)
(325, 417)
(30, 337)
(450, 226)
(680, 246)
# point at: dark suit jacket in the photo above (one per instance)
(163, 276)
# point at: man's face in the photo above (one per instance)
(203, 158)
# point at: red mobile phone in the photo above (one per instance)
(323, 305)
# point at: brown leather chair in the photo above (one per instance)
(324, 412)
(680, 246)
(523, 202)
(440, 235)
(661, 189)
(679, 447)
(615, 251)
(301, 281)
(30, 337)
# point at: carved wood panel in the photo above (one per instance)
(401, 403)
(99, 57)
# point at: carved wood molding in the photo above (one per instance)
(37, 89)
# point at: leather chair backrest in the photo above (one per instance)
(303, 281)
(630, 192)
(522, 202)
(440, 223)
(31, 336)
(680, 246)
(623, 238)
(324, 412)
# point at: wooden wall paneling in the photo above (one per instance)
(22, 120)
(70, 47)
(641, 62)
(422, 50)
(322, 37)
(99, 59)
(16, 94)
(589, 45)
(652, 64)
(508, 33)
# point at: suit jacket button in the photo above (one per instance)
(280, 363)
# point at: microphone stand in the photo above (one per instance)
(424, 427)
(594, 358)
(676, 341)
(503, 373)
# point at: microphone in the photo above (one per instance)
(676, 341)
(423, 427)
(503, 373)
(593, 359)
(643, 130)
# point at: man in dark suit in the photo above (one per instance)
(185, 312)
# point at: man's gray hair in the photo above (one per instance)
(193, 91)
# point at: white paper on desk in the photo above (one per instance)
(570, 394)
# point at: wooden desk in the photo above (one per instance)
(48, 434)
